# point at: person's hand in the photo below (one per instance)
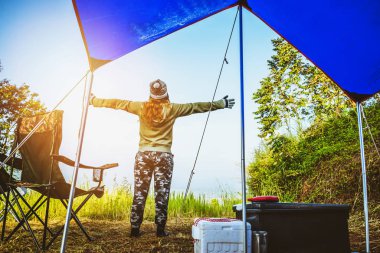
(92, 96)
(228, 103)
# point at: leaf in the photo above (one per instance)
(294, 90)
(15, 102)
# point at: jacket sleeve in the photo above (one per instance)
(180, 110)
(126, 105)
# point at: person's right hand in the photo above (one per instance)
(229, 103)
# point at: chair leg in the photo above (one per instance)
(26, 222)
(46, 221)
(11, 210)
(83, 202)
(75, 217)
(5, 215)
(32, 211)
(77, 221)
(22, 221)
(4, 203)
(59, 232)
(28, 215)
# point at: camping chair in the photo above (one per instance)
(41, 173)
(5, 190)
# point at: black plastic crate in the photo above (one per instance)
(299, 227)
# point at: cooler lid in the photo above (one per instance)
(275, 207)
(220, 224)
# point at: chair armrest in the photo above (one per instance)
(68, 161)
(107, 166)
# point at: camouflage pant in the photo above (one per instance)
(148, 163)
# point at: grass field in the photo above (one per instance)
(107, 220)
(116, 205)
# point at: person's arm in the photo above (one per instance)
(181, 110)
(126, 105)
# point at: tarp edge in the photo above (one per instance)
(92, 68)
(96, 63)
(352, 95)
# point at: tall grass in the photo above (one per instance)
(116, 205)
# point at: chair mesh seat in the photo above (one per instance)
(60, 190)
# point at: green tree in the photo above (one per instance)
(15, 102)
(294, 90)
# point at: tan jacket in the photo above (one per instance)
(160, 137)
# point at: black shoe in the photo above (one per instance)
(161, 232)
(135, 232)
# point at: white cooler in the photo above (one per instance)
(220, 235)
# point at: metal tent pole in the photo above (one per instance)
(364, 176)
(243, 195)
(77, 159)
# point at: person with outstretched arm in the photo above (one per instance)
(154, 157)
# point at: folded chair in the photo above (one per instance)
(41, 173)
(5, 190)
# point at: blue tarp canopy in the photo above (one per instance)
(341, 37)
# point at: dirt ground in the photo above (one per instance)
(110, 236)
(113, 236)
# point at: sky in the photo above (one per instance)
(41, 45)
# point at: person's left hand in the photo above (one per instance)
(92, 96)
(229, 103)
